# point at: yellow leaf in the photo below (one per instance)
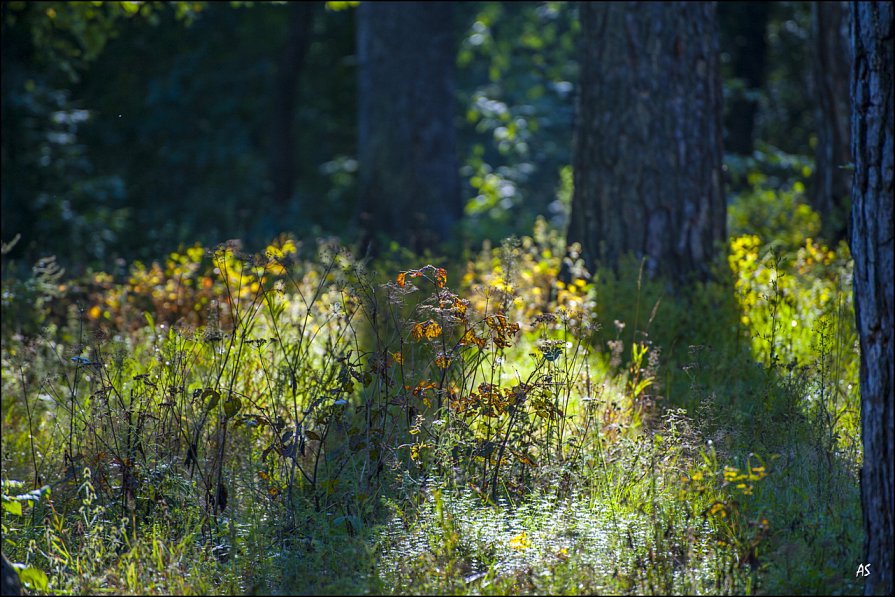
(275, 268)
(469, 338)
(430, 330)
(433, 330)
(523, 458)
(417, 331)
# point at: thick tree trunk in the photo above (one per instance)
(830, 74)
(408, 171)
(10, 579)
(745, 24)
(647, 149)
(873, 145)
(283, 169)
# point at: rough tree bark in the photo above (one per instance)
(873, 146)
(647, 149)
(830, 76)
(409, 182)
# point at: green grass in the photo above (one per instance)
(300, 422)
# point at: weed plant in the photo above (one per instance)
(295, 421)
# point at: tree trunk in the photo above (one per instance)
(830, 74)
(408, 168)
(10, 579)
(873, 145)
(647, 149)
(283, 169)
(745, 24)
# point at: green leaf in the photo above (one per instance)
(644, 384)
(352, 524)
(214, 395)
(232, 406)
(34, 578)
(13, 507)
(311, 435)
(337, 6)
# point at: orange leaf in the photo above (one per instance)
(440, 277)
(433, 330)
(469, 338)
(418, 331)
(400, 279)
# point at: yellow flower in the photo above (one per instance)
(520, 541)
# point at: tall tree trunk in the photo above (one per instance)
(647, 149)
(830, 74)
(10, 579)
(873, 145)
(745, 24)
(408, 168)
(283, 169)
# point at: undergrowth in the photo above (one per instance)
(300, 421)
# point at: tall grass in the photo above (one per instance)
(295, 421)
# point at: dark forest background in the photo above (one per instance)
(127, 132)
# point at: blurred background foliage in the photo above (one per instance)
(129, 129)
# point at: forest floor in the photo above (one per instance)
(296, 421)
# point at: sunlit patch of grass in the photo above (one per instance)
(653, 516)
(226, 422)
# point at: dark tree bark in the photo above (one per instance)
(830, 74)
(283, 168)
(10, 579)
(745, 24)
(873, 146)
(408, 168)
(647, 149)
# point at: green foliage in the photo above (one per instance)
(70, 35)
(341, 5)
(255, 418)
(517, 66)
(102, 168)
(781, 215)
